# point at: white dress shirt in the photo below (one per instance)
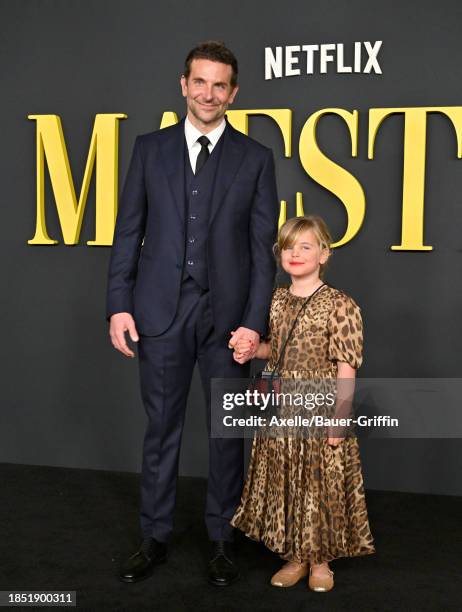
(192, 134)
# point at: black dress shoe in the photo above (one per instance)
(222, 568)
(141, 565)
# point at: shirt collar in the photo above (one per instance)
(192, 133)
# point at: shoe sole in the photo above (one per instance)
(145, 576)
(287, 585)
(321, 589)
(224, 584)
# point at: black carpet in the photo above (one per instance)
(65, 529)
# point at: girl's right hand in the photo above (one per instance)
(334, 441)
(243, 350)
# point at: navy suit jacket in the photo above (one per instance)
(145, 280)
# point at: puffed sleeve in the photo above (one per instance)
(345, 327)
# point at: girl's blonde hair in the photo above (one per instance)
(292, 229)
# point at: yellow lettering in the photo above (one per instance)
(239, 119)
(168, 118)
(332, 176)
(51, 145)
(282, 214)
(415, 135)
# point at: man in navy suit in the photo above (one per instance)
(203, 197)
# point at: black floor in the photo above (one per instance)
(67, 529)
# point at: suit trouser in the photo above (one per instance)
(166, 365)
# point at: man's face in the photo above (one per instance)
(208, 92)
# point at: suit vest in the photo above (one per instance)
(198, 196)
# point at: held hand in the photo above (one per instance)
(119, 324)
(246, 334)
(334, 441)
(244, 345)
(243, 350)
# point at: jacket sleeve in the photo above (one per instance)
(128, 236)
(262, 235)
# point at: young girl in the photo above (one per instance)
(304, 496)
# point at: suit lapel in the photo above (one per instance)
(232, 155)
(172, 152)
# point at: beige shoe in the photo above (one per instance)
(321, 584)
(290, 574)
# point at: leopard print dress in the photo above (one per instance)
(303, 498)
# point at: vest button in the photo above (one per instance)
(191, 240)
(190, 262)
(194, 192)
(193, 217)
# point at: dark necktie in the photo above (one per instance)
(203, 154)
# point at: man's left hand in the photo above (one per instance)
(244, 333)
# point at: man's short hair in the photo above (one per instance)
(215, 51)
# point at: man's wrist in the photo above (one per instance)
(255, 331)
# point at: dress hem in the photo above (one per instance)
(286, 556)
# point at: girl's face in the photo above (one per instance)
(304, 257)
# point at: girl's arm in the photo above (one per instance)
(344, 370)
(346, 375)
(263, 351)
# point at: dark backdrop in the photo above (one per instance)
(68, 398)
